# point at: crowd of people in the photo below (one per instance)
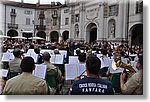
(92, 83)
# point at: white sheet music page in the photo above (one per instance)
(71, 71)
(40, 71)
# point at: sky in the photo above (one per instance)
(41, 1)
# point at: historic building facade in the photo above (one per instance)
(87, 20)
(104, 20)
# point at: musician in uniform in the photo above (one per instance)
(92, 84)
(134, 84)
(26, 83)
(14, 64)
(53, 74)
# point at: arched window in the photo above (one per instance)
(65, 35)
(54, 36)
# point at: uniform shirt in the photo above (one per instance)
(134, 85)
(25, 84)
(51, 69)
(92, 86)
(14, 65)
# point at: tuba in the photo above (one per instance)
(119, 64)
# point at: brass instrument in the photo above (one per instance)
(119, 64)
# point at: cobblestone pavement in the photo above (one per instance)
(66, 86)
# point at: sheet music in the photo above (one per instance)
(3, 73)
(63, 52)
(10, 50)
(5, 57)
(73, 60)
(73, 70)
(26, 55)
(57, 59)
(34, 56)
(81, 69)
(40, 71)
(105, 62)
(11, 56)
(30, 51)
(99, 55)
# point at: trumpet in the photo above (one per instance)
(118, 63)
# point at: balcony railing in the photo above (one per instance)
(40, 27)
(12, 14)
(12, 26)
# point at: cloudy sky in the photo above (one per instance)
(41, 1)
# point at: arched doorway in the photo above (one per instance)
(65, 35)
(27, 34)
(137, 34)
(12, 33)
(54, 36)
(41, 34)
(91, 32)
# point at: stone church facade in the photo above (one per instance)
(91, 21)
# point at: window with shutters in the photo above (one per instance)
(27, 21)
(66, 21)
